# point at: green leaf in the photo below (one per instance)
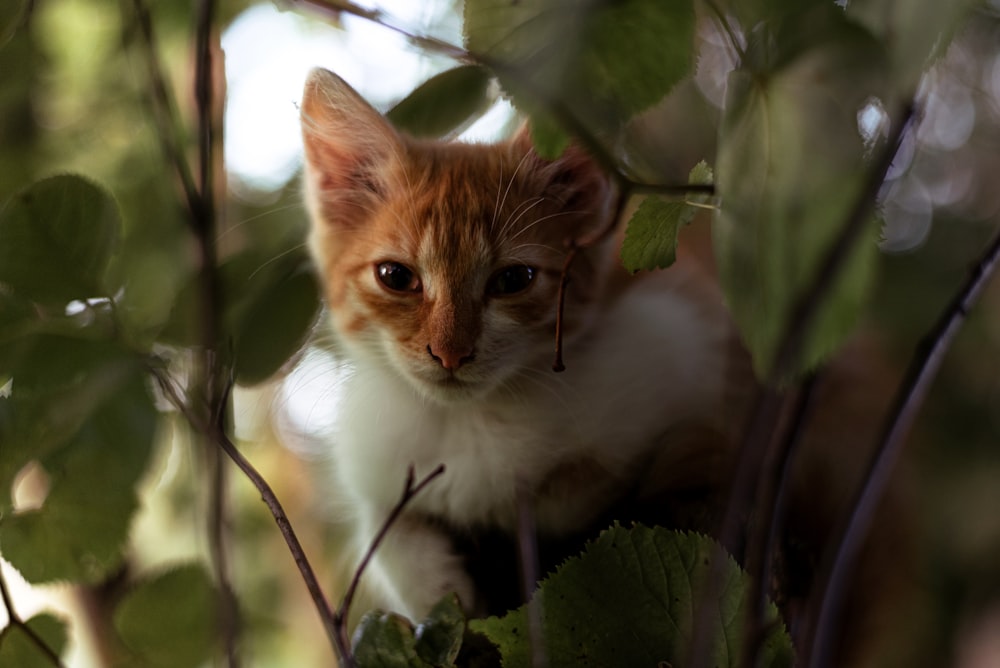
(444, 104)
(387, 640)
(914, 32)
(12, 13)
(790, 168)
(169, 620)
(603, 60)
(439, 637)
(651, 236)
(56, 238)
(82, 410)
(631, 600)
(275, 322)
(18, 649)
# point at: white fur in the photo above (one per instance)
(651, 361)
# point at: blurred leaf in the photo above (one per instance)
(12, 14)
(169, 620)
(651, 236)
(387, 640)
(56, 238)
(444, 104)
(439, 637)
(83, 411)
(275, 322)
(914, 32)
(630, 600)
(549, 139)
(603, 60)
(18, 650)
(791, 165)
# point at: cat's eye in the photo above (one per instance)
(397, 277)
(510, 280)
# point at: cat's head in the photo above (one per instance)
(442, 260)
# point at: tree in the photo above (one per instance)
(808, 129)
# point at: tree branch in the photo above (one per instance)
(267, 494)
(340, 617)
(909, 398)
(15, 621)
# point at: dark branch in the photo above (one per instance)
(340, 618)
(907, 403)
(267, 495)
(14, 620)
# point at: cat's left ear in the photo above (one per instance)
(574, 178)
(348, 148)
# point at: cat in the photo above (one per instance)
(440, 264)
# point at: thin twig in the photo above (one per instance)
(164, 107)
(763, 539)
(203, 221)
(340, 617)
(909, 398)
(14, 620)
(267, 495)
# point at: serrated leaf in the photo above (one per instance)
(791, 164)
(444, 104)
(439, 637)
(651, 236)
(56, 238)
(90, 422)
(169, 620)
(631, 600)
(605, 60)
(386, 640)
(18, 649)
(914, 32)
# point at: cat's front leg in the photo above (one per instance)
(414, 567)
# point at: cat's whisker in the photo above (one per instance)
(545, 218)
(235, 226)
(510, 184)
(518, 213)
(274, 259)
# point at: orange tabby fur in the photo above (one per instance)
(446, 371)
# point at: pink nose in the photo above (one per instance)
(451, 359)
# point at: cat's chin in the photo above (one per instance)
(451, 389)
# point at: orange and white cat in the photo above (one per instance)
(441, 264)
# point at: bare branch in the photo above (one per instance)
(410, 490)
(15, 621)
(267, 494)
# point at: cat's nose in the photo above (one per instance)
(451, 358)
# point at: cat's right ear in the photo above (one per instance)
(349, 147)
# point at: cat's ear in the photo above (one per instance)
(575, 179)
(348, 149)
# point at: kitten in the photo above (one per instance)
(440, 264)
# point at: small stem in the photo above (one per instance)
(267, 495)
(340, 617)
(14, 620)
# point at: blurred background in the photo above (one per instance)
(74, 98)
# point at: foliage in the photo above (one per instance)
(634, 598)
(390, 640)
(102, 300)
